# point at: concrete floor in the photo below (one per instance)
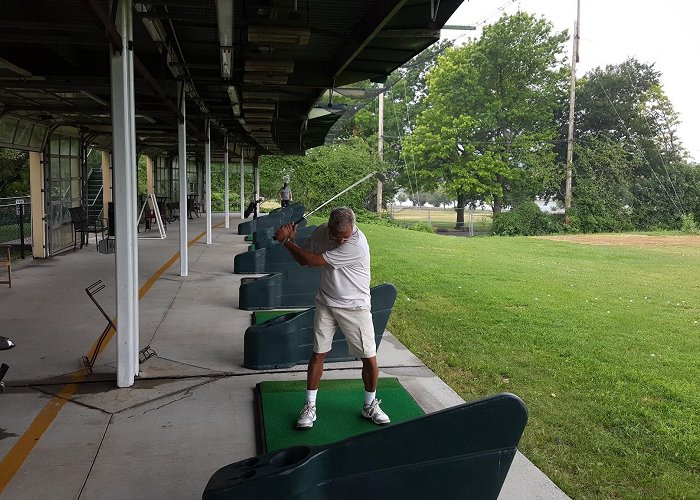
(189, 413)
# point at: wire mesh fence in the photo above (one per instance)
(16, 224)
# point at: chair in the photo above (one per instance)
(192, 206)
(8, 264)
(81, 225)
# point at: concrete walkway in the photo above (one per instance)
(68, 435)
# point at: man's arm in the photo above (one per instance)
(285, 235)
(303, 257)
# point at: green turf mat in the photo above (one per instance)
(339, 406)
(264, 315)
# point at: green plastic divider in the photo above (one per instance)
(260, 316)
(339, 406)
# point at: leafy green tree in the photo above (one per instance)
(647, 182)
(603, 187)
(404, 95)
(14, 173)
(322, 173)
(488, 126)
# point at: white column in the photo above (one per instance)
(226, 211)
(133, 189)
(207, 181)
(242, 186)
(182, 168)
(256, 185)
(124, 191)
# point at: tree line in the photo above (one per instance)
(486, 123)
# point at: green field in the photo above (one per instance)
(601, 342)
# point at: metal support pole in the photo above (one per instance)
(124, 196)
(226, 200)
(132, 172)
(256, 186)
(242, 187)
(207, 181)
(21, 229)
(380, 147)
(572, 109)
(182, 169)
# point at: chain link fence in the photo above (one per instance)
(443, 220)
(16, 225)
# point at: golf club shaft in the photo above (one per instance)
(334, 197)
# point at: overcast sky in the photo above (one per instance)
(653, 31)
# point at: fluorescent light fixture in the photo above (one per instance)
(224, 19)
(235, 101)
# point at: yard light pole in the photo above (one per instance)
(572, 107)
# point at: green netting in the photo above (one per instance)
(339, 406)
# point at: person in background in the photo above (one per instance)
(343, 300)
(285, 195)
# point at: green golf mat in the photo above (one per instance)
(265, 314)
(339, 407)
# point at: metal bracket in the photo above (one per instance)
(91, 291)
(146, 353)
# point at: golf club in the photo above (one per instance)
(378, 175)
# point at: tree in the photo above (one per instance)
(404, 95)
(624, 107)
(488, 126)
(322, 173)
(14, 173)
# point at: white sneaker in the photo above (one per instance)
(373, 412)
(307, 417)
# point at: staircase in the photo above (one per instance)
(94, 196)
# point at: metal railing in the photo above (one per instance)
(16, 224)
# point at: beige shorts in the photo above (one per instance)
(356, 325)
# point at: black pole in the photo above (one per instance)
(21, 230)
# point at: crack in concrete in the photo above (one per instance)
(187, 394)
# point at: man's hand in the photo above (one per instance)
(287, 231)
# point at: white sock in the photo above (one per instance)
(369, 397)
(311, 396)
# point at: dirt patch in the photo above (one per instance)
(638, 240)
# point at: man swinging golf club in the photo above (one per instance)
(343, 300)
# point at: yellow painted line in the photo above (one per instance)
(145, 289)
(19, 452)
(25, 444)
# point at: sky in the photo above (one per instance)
(662, 32)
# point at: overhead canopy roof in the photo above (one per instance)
(256, 68)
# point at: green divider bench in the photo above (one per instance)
(288, 340)
(461, 452)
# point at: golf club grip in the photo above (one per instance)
(296, 223)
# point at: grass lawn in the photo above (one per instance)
(601, 342)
